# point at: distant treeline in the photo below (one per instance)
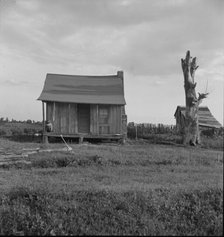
(29, 121)
(17, 128)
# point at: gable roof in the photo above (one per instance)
(84, 89)
(205, 117)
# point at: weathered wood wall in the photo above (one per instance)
(115, 119)
(64, 118)
(124, 122)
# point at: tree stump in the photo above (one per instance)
(191, 131)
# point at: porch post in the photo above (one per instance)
(45, 138)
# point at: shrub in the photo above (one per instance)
(51, 162)
(2, 132)
(60, 159)
(30, 131)
(212, 143)
(16, 131)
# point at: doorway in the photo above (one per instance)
(83, 118)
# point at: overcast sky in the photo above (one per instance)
(144, 38)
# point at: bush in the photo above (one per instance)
(30, 131)
(2, 132)
(16, 131)
(51, 162)
(212, 143)
(61, 159)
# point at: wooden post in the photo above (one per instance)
(81, 139)
(76, 118)
(123, 139)
(43, 112)
(45, 138)
(97, 120)
(69, 119)
(53, 112)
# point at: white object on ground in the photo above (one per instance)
(69, 148)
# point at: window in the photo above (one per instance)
(103, 114)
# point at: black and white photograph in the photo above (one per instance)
(111, 117)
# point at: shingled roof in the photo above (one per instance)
(206, 119)
(84, 89)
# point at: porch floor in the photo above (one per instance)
(82, 136)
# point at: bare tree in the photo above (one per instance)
(191, 131)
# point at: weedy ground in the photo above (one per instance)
(132, 189)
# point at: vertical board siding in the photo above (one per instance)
(119, 119)
(111, 120)
(73, 119)
(115, 119)
(76, 118)
(93, 119)
(49, 111)
(51, 115)
(64, 118)
(57, 122)
(123, 121)
(53, 112)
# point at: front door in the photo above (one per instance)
(83, 118)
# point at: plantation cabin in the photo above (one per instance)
(205, 118)
(84, 106)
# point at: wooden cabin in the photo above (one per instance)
(84, 106)
(205, 118)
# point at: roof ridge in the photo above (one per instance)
(184, 107)
(59, 74)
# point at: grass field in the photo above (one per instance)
(133, 189)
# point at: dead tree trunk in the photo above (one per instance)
(191, 131)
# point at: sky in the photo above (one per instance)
(146, 39)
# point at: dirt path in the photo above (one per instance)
(11, 156)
